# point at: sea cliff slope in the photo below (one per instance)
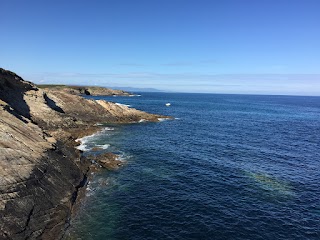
(41, 172)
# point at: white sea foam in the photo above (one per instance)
(121, 104)
(108, 129)
(123, 157)
(83, 147)
(162, 119)
(142, 120)
(89, 189)
(103, 146)
(84, 140)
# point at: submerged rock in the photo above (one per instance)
(96, 149)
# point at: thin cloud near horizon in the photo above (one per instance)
(180, 63)
(296, 84)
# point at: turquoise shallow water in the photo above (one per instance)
(229, 167)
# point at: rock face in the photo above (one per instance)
(40, 170)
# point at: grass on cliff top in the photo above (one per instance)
(51, 86)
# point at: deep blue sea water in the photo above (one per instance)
(228, 167)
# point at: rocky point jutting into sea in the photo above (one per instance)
(41, 171)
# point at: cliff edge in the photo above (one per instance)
(41, 172)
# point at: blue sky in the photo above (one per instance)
(225, 46)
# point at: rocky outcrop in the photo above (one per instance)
(101, 91)
(108, 160)
(87, 90)
(41, 172)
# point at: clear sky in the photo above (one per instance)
(223, 46)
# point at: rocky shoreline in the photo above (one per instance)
(42, 173)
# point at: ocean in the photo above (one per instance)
(227, 167)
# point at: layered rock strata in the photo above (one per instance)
(41, 172)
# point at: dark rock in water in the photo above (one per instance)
(109, 161)
(41, 171)
(96, 149)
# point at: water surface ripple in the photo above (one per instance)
(229, 167)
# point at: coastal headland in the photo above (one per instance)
(41, 171)
(86, 90)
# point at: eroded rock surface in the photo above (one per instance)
(41, 172)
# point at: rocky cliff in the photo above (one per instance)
(41, 172)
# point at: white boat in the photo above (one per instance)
(168, 104)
